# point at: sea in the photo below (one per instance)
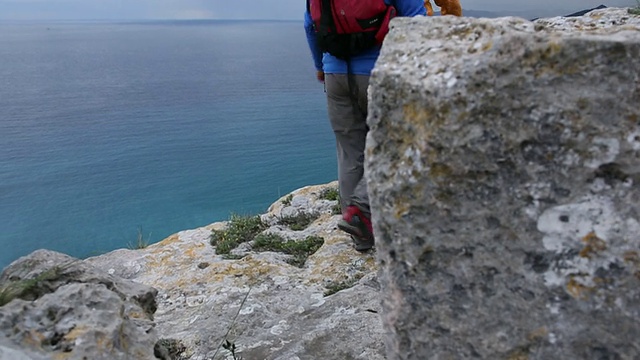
(115, 132)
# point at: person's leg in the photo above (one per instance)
(350, 130)
(360, 196)
(347, 100)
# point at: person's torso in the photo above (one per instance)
(363, 63)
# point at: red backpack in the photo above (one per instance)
(345, 28)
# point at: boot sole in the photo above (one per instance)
(361, 242)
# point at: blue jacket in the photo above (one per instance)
(363, 63)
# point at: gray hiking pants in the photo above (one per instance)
(347, 108)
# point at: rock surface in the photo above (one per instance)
(66, 309)
(268, 308)
(328, 308)
(503, 166)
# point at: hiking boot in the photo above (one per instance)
(362, 245)
(359, 226)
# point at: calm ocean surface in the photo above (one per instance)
(110, 129)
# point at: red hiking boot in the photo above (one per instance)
(359, 226)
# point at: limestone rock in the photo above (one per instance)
(503, 170)
(11, 351)
(66, 308)
(602, 20)
(266, 307)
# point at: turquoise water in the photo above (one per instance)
(111, 129)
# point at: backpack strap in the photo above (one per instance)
(327, 25)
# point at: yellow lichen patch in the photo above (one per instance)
(463, 116)
(214, 273)
(440, 170)
(193, 250)
(415, 113)
(401, 209)
(554, 48)
(538, 334)
(249, 268)
(75, 333)
(519, 354)
(334, 267)
(582, 103)
(578, 290)
(631, 257)
(601, 281)
(218, 271)
(167, 256)
(370, 263)
(593, 245)
(34, 339)
(137, 315)
(170, 240)
(309, 190)
(104, 343)
(161, 259)
(258, 271)
(330, 238)
(544, 61)
(423, 120)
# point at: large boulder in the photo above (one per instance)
(55, 306)
(503, 166)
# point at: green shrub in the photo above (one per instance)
(287, 201)
(342, 285)
(300, 250)
(29, 288)
(330, 193)
(635, 10)
(239, 230)
(298, 222)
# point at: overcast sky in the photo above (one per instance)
(244, 9)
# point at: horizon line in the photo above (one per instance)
(498, 12)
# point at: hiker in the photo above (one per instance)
(344, 53)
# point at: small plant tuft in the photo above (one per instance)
(300, 250)
(342, 285)
(336, 209)
(330, 193)
(239, 230)
(141, 242)
(287, 201)
(635, 10)
(298, 222)
(226, 344)
(231, 347)
(232, 256)
(27, 288)
(169, 349)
